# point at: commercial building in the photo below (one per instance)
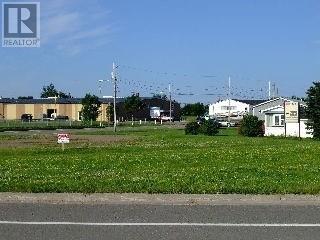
(13, 109)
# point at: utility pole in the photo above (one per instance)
(55, 106)
(229, 96)
(100, 95)
(114, 79)
(269, 90)
(273, 90)
(170, 114)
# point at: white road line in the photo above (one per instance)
(166, 224)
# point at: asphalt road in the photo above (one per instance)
(136, 219)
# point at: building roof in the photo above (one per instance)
(52, 100)
(279, 98)
(59, 100)
(251, 102)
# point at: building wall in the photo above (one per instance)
(257, 110)
(12, 111)
(292, 130)
(222, 108)
(2, 115)
(274, 131)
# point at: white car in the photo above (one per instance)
(227, 124)
(166, 118)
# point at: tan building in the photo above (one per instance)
(12, 109)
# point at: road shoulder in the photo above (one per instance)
(159, 199)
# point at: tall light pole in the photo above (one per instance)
(55, 106)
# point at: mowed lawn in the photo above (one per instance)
(162, 160)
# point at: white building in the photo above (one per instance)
(272, 112)
(238, 108)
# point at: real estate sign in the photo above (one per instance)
(63, 138)
(291, 112)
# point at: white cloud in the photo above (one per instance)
(71, 26)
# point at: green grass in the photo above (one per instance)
(17, 125)
(164, 160)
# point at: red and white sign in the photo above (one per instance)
(63, 138)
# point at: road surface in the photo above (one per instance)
(137, 218)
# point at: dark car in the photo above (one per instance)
(62, 118)
(26, 117)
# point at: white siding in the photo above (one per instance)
(222, 108)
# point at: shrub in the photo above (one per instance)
(251, 126)
(192, 128)
(209, 127)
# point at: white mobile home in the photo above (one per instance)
(272, 113)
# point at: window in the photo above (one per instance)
(282, 120)
(224, 108)
(278, 120)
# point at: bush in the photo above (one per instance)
(209, 127)
(251, 126)
(192, 128)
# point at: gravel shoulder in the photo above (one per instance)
(160, 199)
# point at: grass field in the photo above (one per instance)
(158, 160)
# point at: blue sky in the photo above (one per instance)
(194, 45)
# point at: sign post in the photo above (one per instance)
(291, 114)
(62, 139)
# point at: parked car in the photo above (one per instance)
(204, 118)
(227, 124)
(166, 118)
(26, 117)
(62, 118)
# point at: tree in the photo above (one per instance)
(25, 97)
(313, 109)
(298, 98)
(251, 126)
(90, 107)
(133, 104)
(209, 127)
(192, 128)
(51, 91)
(160, 96)
(195, 109)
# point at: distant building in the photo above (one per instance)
(13, 109)
(237, 108)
